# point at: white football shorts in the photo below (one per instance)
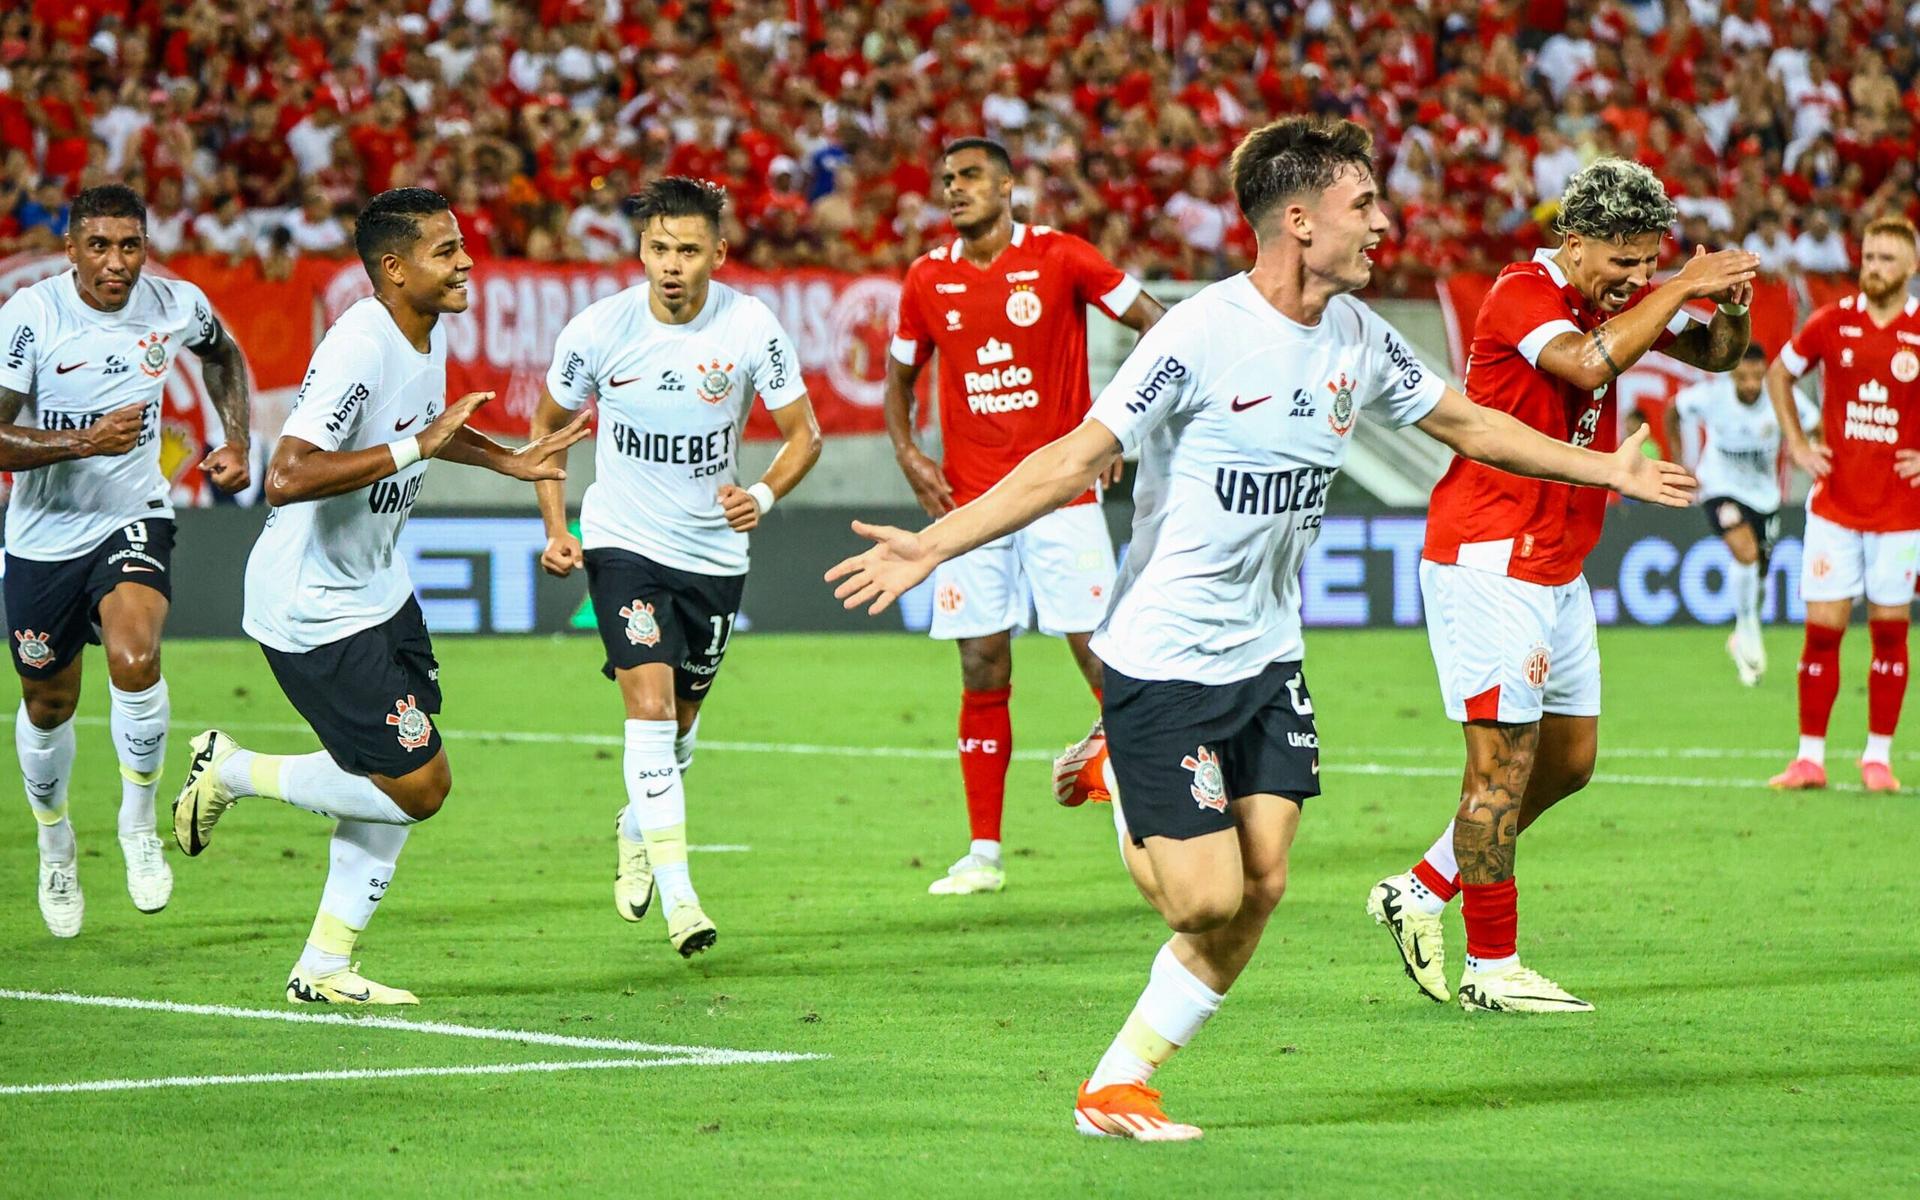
(1837, 563)
(1060, 567)
(1508, 650)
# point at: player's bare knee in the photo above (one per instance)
(50, 711)
(651, 708)
(986, 664)
(423, 792)
(1200, 911)
(1264, 891)
(134, 670)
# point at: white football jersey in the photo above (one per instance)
(673, 399)
(1241, 419)
(325, 569)
(77, 364)
(1741, 460)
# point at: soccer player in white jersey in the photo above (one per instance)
(1239, 402)
(675, 364)
(331, 605)
(1739, 472)
(84, 358)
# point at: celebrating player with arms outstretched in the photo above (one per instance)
(1240, 403)
(1005, 305)
(1863, 517)
(1739, 472)
(1508, 614)
(675, 365)
(331, 605)
(86, 355)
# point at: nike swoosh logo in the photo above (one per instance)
(1420, 960)
(1240, 405)
(623, 382)
(703, 685)
(131, 570)
(663, 791)
(400, 425)
(64, 368)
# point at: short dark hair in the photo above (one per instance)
(678, 196)
(1755, 350)
(107, 200)
(1295, 156)
(995, 152)
(390, 223)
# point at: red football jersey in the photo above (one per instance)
(1481, 516)
(1870, 407)
(1012, 339)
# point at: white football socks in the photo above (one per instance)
(46, 764)
(1813, 749)
(1168, 1015)
(986, 849)
(361, 858)
(1745, 578)
(657, 809)
(313, 782)
(1441, 858)
(139, 724)
(683, 745)
(1879, 749)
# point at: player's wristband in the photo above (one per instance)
(1734, 310)
(406, 452)
(762, 495)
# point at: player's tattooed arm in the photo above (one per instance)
(23, 447)
(1593, 360)
(225, 371)
(1717, 345)
(1499, 764)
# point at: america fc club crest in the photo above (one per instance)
(1536, 666)
(949, 599)
(33, 649)
(1340, 414)
(153, 355)
(642, 629)
(1906, 366)
(1209, 786)
(715, 381)
(410, 723)
(1023, 306)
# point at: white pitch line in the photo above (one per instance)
(942, 754)
(712, 1055)
(185, 1081)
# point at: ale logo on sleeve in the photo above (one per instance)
(715, 381)
(1209, 786)
(410, 723)
(33, 649)
(642, 629)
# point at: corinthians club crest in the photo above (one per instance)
(33, 649)
(1209, 786)
(715, 381)
(1340, 413)
(642, 629)
(410, 723)
(153, 355)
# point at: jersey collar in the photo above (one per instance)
(1544, 257)
(960, 244)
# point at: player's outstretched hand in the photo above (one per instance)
(928, 481)
(227, 468)
(1716, 276)
(879, 576)
(117, 432)
(739, 507)
(535, 460)
(1816, 458)
(563, 555)
(440, 431)
(1651, 479)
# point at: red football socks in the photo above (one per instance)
(1887, 676)
(1820, 678)
(1492, 914)
(986, 749)
(1443, 887)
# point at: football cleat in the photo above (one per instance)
(149, 878)
(1878, 777)
(1802, 774)
(1517, 990)
(969, 875)
(61, 904)
(346, 986)
(1127, 1110)
(203, 799)
(1415, 932)
(1750, 662)
(632, 876)
(690, 930)
(1078, 774)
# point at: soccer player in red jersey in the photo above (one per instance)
(1508, 615)
(1863, 516)
(1005, 305)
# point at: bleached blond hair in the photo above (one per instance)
(1612, 199)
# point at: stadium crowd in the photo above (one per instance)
(256, 127)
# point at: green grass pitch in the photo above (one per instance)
(1751, 955)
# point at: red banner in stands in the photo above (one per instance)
(841, 325)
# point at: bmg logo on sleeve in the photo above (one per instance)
(1167, 372)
